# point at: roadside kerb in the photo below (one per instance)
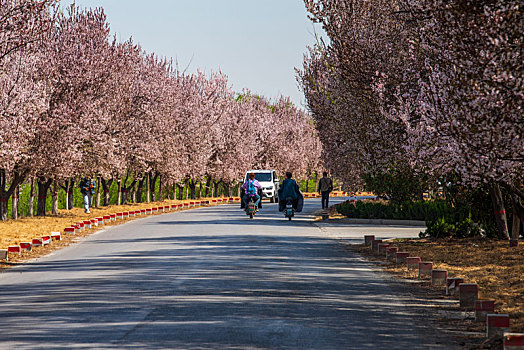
(424, 269)
(452, 285)
(27, 246)
(468, 294)
(374, 244)
(496, 325)
(483, 308)
(14, 249)
(57, 236)
(439, 277)
(400, 257)
(368, 239)
(412, 262)
(513, 341)
(391, 253)
(382, 248)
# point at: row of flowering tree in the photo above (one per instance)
(424, 86)
(75, 102)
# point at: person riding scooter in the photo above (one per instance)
(251, 188)
(289, 190)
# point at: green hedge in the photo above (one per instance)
(442, 220)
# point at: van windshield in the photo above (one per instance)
(262, 177)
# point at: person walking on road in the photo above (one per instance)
(87, 187)
(325, 186)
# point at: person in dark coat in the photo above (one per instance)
(289, 189)
(325, 187)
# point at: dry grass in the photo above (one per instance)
(496, 268)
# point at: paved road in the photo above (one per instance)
(210, 278)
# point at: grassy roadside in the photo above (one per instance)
(496, 268)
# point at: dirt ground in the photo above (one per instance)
(492, 264)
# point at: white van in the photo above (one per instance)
(269, 181)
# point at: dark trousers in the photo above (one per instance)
(325, 199)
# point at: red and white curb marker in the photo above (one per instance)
(483, 308)
(126, 214)
(149, 211)
(80, 226)
(412, 262)
(439, 277)
(27, 246)
(401, 257)
(452, 285)
(57, 236)
(391, 253)
(374, 245)
(15, 249)
(382, 248)
(100, 221)
(424, 269)
(468, 294)
(94, 222)
(46, 240)
(107, 219)
(87, 223)
(513, 341)
(368, 239)
(119, 216)
(37, 242)
(496, 325)
(155, 210)
(70, 230)
(4, 254)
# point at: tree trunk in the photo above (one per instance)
(97, 201)
(139, 190)
(14, 203)
(499, 211)
(30, 209)
(152, 185)
(192, 186)
(70, 199)
(119, 198)
(18, 178)
(126, 190)
(160, 192)
(106, 185)
(43, 188)
(518, 217)
(307, 183)
(180, 191)
(227, 188)
(199, 189)
(134, 193)
(148, 188)
(208, 183)
(54, 196)
(216, 184)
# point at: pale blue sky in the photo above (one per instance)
(257, 43)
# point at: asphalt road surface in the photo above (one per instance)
(211, 278)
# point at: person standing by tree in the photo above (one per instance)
(87, 187)
(325, 186)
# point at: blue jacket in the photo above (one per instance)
(87, 186)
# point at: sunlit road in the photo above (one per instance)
(210, 278)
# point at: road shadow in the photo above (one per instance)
(211, 292)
